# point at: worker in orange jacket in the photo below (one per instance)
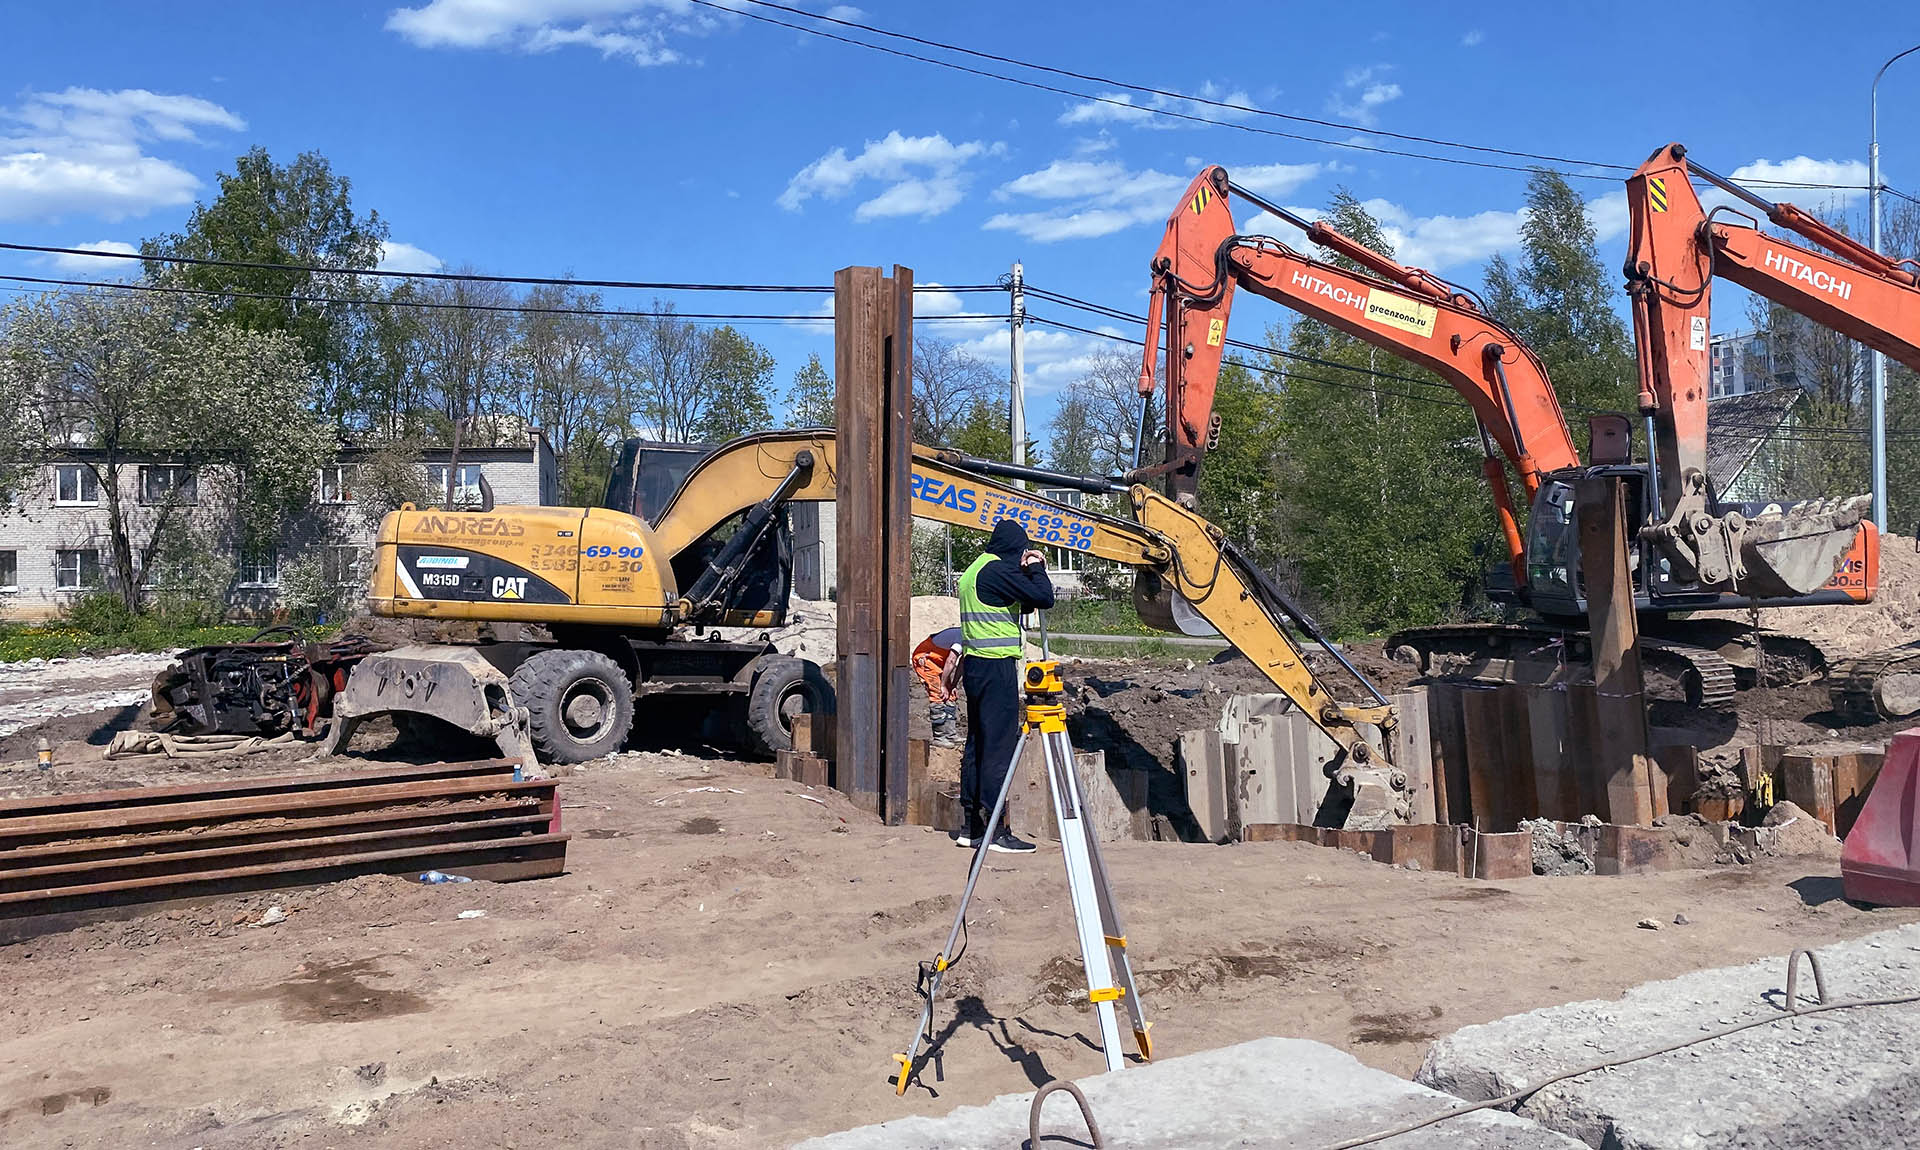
(937, 661)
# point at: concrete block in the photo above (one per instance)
(1839, 1080)
(1274, 1092)
(1203, 765)
(1262, 772)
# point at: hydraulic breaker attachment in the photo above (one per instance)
(455, 685)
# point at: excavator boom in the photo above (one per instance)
(574, 567)
(1675, 250)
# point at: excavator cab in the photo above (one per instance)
(646, 476)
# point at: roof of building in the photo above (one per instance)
(1738, 425)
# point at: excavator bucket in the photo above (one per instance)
(1795, 551)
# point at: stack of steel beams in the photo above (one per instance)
(88, 852)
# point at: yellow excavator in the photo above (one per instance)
(623, 599)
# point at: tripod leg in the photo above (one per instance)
(943, 961)
(1116, 938)
(1075, 842)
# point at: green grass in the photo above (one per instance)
(1096, 617)
(58, 640)
(1145, 648)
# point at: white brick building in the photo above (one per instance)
(55, 544)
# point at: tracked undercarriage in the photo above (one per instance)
(1543, 653)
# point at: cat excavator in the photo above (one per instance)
(621, 599)
(1677, 248)
(1692, 552)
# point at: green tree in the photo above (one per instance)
(1561, 301)
(1384, 520)
(985, 430)
(813, 399)
(302, 214)
(1240, 481)
(738, 377)
(124, 382)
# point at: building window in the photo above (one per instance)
(336, 484)
(340, 564)
(9, 570)
(260, 568)
(76, 569)
(164, 483)
(466, 483)
(75, 484)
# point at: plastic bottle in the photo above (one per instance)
(435, 878)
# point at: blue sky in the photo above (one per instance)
(658, 140)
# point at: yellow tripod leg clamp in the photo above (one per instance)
(906, 1071)
(1109, 994)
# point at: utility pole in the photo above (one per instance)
(1018, 317)
(1878, 386)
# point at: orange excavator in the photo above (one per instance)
(1677, 247)
(1690, 554)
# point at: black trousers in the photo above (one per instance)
(993, 728)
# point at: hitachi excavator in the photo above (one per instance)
(1676, 249)
(620, 597)
(1693, 552)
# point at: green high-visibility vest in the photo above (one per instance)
(988, 632)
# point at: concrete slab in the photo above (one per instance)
(1271, 1092)
(1838, 1079)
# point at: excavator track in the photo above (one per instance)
(1541, 652)
(1883, 685)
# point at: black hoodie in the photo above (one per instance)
(1003, 582)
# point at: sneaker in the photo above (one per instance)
(1010, 844)
(970, 834)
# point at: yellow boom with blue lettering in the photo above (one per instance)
(596, 567)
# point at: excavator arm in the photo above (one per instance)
(1167, 541)
(1412, 313)
(1676, 248)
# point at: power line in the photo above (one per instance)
(1241, 345)
(463, 277)
(376, 301)
(1171, 113)
(1273, 371)
(1094, 78)
(1127, 104)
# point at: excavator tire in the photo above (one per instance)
(579, 704)
(783, 687)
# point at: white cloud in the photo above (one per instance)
(1052, 358)
(83, 151)
(1106, 197)
(1124, 108)
(1361, 94)
(1472, 39)
(925, 176)
(1806, 170)
(844, 12)
(398, 257)
(96, 265)
(1431, 242)
(637, 30)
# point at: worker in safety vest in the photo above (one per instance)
(1001, 585)
(937, 661)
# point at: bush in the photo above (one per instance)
(98, 613)
(307, 595)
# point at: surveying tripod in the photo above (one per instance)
(1103, 942)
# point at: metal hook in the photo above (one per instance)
(1086, 1112)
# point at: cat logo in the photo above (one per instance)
(505, 587)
